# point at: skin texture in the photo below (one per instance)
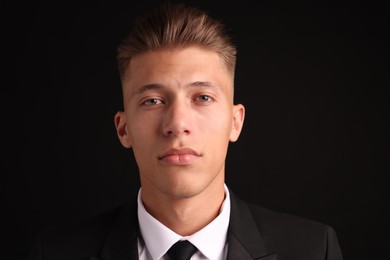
(179, 118)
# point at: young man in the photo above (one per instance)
(177, 74)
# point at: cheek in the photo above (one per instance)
(218, 127)
(141, 129)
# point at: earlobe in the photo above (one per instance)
(238, 122)
(121, 129)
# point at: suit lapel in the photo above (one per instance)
(121, 242)
(244, 239)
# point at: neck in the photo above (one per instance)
(185, 215)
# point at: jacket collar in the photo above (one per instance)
(244, 239)
(121, 242)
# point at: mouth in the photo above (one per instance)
(179, 156)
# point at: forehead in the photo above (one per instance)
(179, 66)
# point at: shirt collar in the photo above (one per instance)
(210, 240)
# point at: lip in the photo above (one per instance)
(179, 156)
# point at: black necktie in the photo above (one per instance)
(181, 250)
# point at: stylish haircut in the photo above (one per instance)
(176, 26)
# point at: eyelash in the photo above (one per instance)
(209, 99)
(199, 98)
(147, 102)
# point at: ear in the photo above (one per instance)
(121, 129)
(238, 122)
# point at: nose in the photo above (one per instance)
(177, 119)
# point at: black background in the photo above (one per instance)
(313, 78)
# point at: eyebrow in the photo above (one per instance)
(201, 84)
(148, 87)
(160, 86)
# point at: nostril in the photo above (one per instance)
(177, 132)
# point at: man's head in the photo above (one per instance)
(173, 26)
(178, 114)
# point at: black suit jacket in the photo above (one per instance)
(254, 233)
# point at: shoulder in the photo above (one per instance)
(268, 220)
(90, 227)
(286, 224)
(288, 236)
(82, 238)
(286, 233)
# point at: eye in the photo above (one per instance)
(152, 102)
(203, 98)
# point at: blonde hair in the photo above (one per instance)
(172, 26)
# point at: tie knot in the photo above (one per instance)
(181, 250)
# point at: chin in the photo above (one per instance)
(184, 190)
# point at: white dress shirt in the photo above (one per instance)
(157, 238)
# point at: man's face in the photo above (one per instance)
(179, 118)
